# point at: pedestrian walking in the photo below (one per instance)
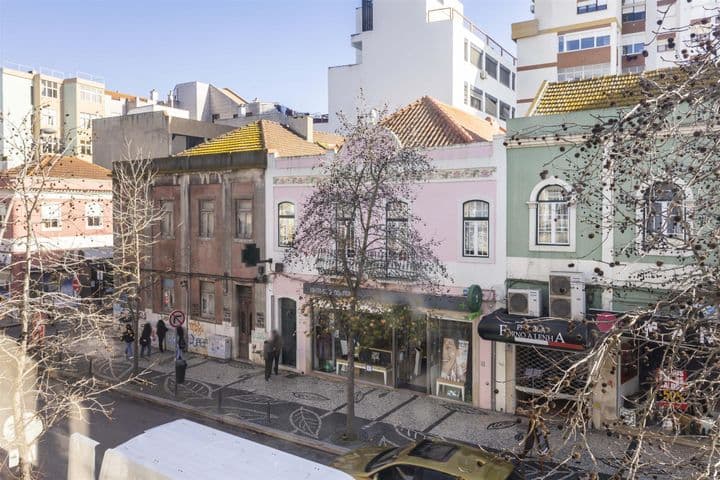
(268, 358)
(277, 344)
(161, 330)
(146, 340)
(128, 337)
(180, 344)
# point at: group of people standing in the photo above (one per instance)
(146, 336)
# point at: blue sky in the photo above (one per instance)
(276, 50)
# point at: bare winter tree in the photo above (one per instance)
(649, 175)
(134, 214)
(359, 230)
(53, 325)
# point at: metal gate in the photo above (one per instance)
(539, 369)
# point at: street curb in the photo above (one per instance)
(235, 422)
(223, 419)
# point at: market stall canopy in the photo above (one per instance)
(500, 326)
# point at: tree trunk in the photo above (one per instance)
(350, 409)
(136, 326)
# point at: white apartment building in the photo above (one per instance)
(576, 39)
(54, 111)
(406, 49)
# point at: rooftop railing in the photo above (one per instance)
(449, 13)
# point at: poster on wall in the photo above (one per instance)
(454, 360)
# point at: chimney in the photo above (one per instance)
(171, 99)
(303, 126)
(154, 96)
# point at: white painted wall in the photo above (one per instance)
(16, 109)
(406, 57)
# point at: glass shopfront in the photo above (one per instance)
(424, 354)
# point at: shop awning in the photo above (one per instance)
(500, 326)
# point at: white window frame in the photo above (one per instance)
(90, 95)
(207, 299)
(51, 216)
(3, 213)
(563, 39)
(532, 219)
(640, 215)
(281, 226)
(93, 215)
(85, 146)
(49, 117)
(476, 222)
(49, 89)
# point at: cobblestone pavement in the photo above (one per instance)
(313, 407)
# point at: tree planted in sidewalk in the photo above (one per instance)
(645, 178)
(52, 327)
(135, 214)
(357, 231)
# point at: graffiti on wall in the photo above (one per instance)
(197, 338)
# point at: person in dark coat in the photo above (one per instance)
(146, 340)
(277, 344)
(268, 356)
(161, 330)
(180, 344)
(128, 337)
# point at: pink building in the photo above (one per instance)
(462, 206)
(71, 221)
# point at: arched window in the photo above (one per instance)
(286, 223)
(664, 212)
(476, 229)
(396, 215)
(553, 216)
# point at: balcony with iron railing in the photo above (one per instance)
(379, 264)
(449, 13)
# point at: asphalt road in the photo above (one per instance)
(129, 418)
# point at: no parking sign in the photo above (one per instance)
(177, 318)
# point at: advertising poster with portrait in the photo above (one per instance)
(454, 360)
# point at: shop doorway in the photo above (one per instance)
(244, 312)
(288, 331)
(411, 344)
(538, 369)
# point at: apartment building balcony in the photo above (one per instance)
(450, 14)
(380, 264)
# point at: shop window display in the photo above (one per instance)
(451, 359)
(373, 357)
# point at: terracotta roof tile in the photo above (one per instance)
(67, 167)
(428, 122)
(602, 92)
(265, 135)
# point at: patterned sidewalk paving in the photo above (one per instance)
(313, 407)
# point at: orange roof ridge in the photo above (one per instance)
(450, 122)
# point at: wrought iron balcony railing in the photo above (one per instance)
(387, 265)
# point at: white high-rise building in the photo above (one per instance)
(405, 49)
(576, 39)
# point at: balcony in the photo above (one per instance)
(380, 265)
(449, 13)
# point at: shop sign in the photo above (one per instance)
(672, 385)
(500, 326)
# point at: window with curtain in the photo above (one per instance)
(476, 229)
(664, 212)
(286, 224)
(345, 231)
(243, 218)
(168, 294)
(93, 215)
(553, 216)
(207, 299)
(167, 225)
(50, 214)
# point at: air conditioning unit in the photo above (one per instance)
(483, 74)
(524, 302)
(567, 295)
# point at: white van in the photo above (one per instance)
(187, 450)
